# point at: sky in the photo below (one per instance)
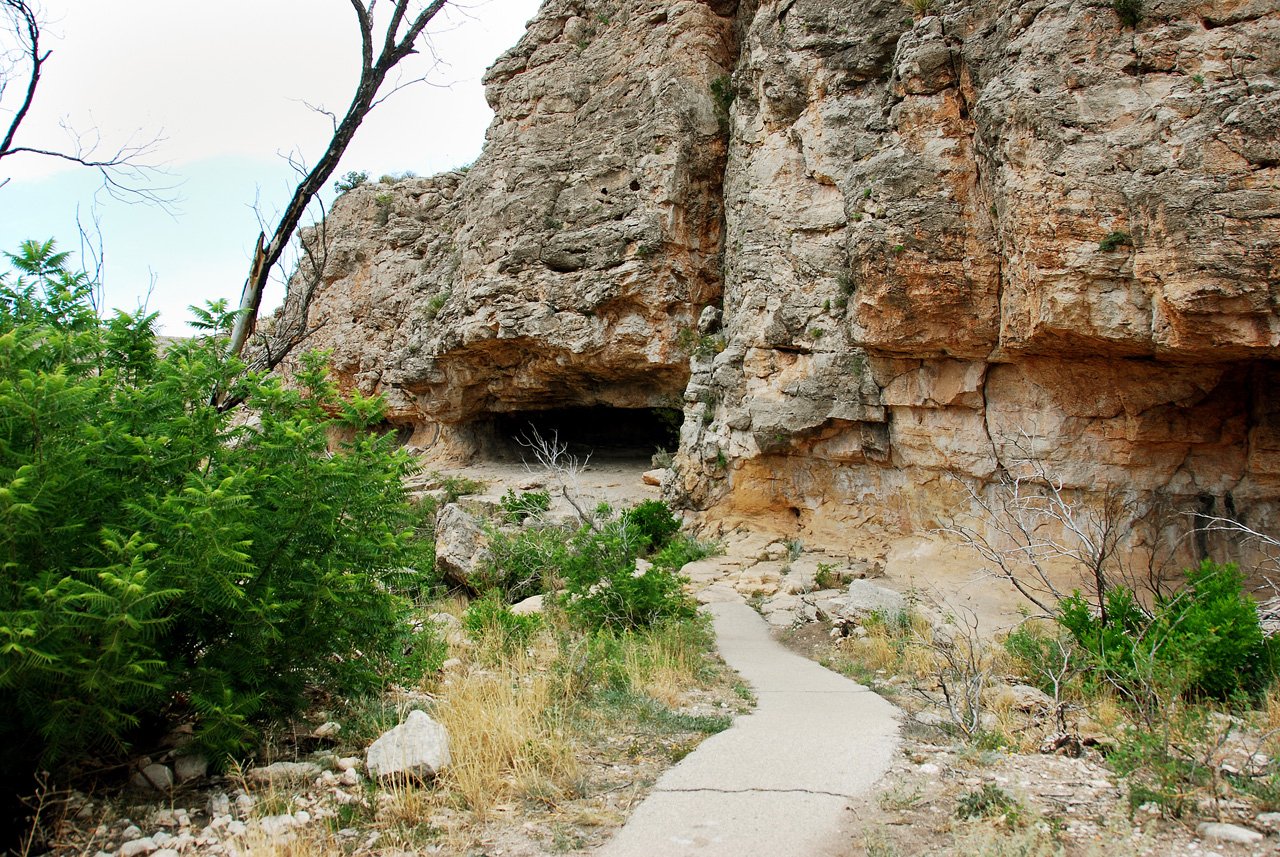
(225, 95)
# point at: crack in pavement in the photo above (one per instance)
(756, 790)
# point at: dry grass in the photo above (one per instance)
(506, 733)
(661, 664)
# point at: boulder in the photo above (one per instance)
(1024, 697)
(865, 597)
(418, 748)
(1223, 832)
(191, 767)
(653, 477)
(532, 604)
(157, 777)
(459, 543)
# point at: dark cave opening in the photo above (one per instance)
(600, 432)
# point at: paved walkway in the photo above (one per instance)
(778, 782)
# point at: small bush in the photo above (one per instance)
(1112, 240)
(456, 487)
(654, 521)
(990, 801)
(517, 507)
(681, 551)
(524, 563)
(490, 621)
(603, 588)
(350, 181)
(828, 577)
(1128, 11)
(1204, 640)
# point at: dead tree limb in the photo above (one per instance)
(395, 48)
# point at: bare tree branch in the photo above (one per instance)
(395, 48)
(126, 173)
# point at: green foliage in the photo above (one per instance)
(1158, 769)
(1046, 660)
(350, 181)
(682, 550)
(1112, 240)
(1128, 11)
(156, 554)
(434, 305)
(827, 577)
(524, 563)
(990, 801)
(490, 621)
(392, 178)
(384, 202)
(457, 487)
(1204, 640)
(603, 587)
(723, 93)
(654, 521)
(517, 507)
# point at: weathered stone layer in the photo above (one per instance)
(951, 244)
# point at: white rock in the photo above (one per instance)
(866, 597)
(279, 773)
(162, 839)
(347, 763)
(219, 804)
(530, 605)
(1269, 820)
(652, 477)
(135, 847)
(327, 730)
(419, 747)
(165, 852)
(1024, 697)
(237, 828)
(131, 832)
(350, 777)
(1228, 833)
(244, 804)
(302, 817)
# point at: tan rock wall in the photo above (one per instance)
(1003, 235)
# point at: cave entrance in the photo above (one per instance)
(601, 432)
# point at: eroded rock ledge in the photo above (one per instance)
(939, 244)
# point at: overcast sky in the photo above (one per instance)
(226, 86)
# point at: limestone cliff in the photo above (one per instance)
(936, 243)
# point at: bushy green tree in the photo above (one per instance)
(162, 556)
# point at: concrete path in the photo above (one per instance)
(778, 782)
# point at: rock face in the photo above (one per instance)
(867, 249)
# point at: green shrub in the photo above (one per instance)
(1128, 11)
(604, 589)
(524, 563)
(681, 551)
(1112, 240)
(159, 555)
(990, 801)
(350, 181)
(1204, 640)
(654, 522)
(517, 507)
